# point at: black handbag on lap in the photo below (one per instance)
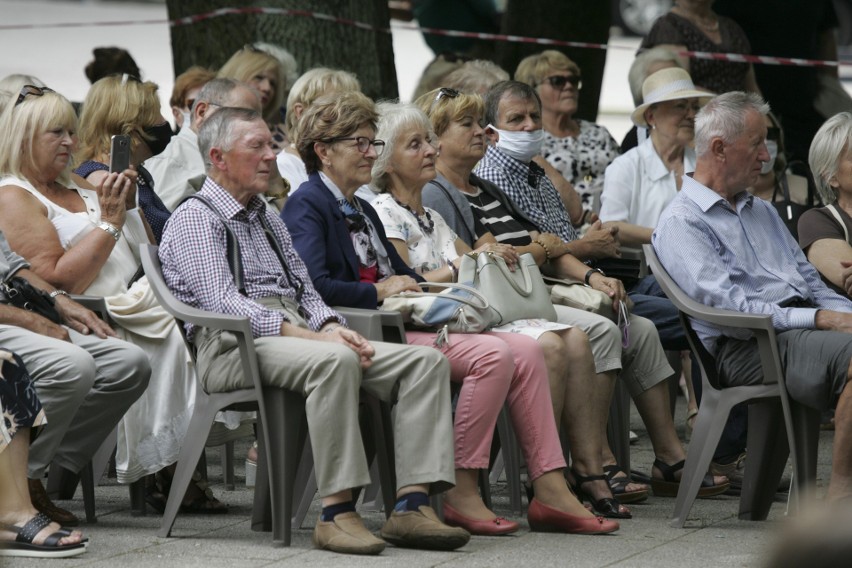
(21, 294)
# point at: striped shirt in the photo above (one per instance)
(193, 253)
(742, 259)
(497, 220)
(530, 189)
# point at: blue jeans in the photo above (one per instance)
(649, 301)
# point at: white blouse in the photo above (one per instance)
(425, 252)
(638, 186)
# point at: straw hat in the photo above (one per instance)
(669, 84)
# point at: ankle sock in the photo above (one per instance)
(411, 502)
(328, 513)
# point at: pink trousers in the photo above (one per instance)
(493, 369)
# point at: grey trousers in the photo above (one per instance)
(85, 387)
(643, 363)
(329, 376)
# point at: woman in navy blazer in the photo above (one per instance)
(351, 262)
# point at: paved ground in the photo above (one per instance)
(713, 537)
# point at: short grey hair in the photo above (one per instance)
(722, 117)
(639, 68)
(394, 119)
(218, 130)
(218, 92)
(496, 93)
(832, 140)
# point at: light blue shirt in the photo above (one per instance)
(741, 259)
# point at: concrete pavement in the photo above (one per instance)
(713, 537)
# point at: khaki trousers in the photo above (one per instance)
(329, 376)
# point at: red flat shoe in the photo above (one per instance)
(547, 519)
(492, 527)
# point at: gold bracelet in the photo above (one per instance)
(546, 250)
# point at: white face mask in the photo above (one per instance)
(521, 145)
(772, 148)
(186, 118)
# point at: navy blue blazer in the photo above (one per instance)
(321, 238)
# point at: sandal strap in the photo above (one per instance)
(28, 532)
(668, 470)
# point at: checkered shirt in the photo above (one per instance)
(193, 254)
(527, 185)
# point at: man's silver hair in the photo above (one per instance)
(218, 131)
(218, 92)
(723, 118)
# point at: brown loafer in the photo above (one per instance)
(422, 529)
(43, 504)
(346, 534)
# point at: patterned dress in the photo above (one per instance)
(19, 404)
(583, 160)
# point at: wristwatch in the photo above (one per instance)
(589, 274)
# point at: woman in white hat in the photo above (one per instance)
(639, 184)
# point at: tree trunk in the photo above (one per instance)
(314, 43)
(568, 20)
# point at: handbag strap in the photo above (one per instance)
(832, 208)
(474, 293)
(472, 238)
(522, 266)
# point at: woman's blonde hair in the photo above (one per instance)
(312, 85)
(248, 63)
(534, 69)
(445, 110)
(21, 123)
(118, 104)
(332, 116)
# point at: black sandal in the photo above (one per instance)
(23, 544)
(668, 485)
(606, 506)
(618, 485)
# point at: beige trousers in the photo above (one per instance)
(329, 376)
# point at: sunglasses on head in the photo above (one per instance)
(443, 92)
(559, 81)
(31, 90)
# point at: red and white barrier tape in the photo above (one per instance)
(189, 20)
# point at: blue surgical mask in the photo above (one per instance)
(520, 144)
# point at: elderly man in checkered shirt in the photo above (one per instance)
(304, 346)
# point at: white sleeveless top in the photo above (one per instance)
(72, 227)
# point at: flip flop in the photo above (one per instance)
(23, 545)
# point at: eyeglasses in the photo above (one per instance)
(443, 92)
(362, 143)
(32, 90)
(559, 81)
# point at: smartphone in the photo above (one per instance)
(119, 153)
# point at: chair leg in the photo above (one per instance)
(305, 485)
(61, 483)
(705, 437)
(767, 456)
(618, 426)
(190, 453)
(512, 459)
(138, 506)
(228, 465)
(88, 484)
